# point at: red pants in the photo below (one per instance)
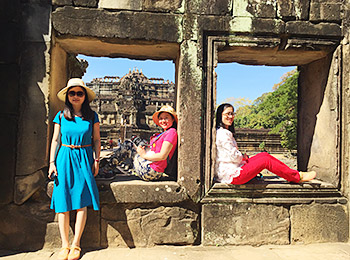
(263, 161)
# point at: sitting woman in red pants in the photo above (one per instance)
(235, 168)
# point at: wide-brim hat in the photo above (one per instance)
(167, 109)
(75, 82)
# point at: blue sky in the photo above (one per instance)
(234, 80)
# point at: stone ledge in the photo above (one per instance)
(275, 190)
(125, 189)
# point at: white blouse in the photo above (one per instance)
(228, 157)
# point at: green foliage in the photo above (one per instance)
(275, 110)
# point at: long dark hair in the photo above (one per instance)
(174, 125)
(86, 111)
(219, 122)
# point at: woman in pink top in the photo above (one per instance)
(234, 167)
(149, 164)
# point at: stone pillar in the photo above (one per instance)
(9, 81)
(319, 118)
(189, 108)
(33, 99)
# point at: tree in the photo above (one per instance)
(276, 110)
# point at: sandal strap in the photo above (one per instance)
(75, 247)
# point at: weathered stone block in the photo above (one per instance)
(32, 129)
(10, 11)
(293, 9)
(319, 223)
(62, 2)
(262, 8)
(10, 43)
(123, 25)
(92, 233)
(121, 4)
(218, 7)
(307, 28)
(24, 227)
(26, 186)
(52, 236)
(244, 223)
(9, 85)
(162, 5)
(148, 227)
(268, 26)
(36, 22)
(8, 157)
(325, 12)
(86, 3)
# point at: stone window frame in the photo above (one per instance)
(215, 51)
(138, 50)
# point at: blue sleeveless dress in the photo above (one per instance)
(75, 186)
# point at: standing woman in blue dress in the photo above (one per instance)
(74, 167)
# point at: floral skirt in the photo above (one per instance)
(143, 170)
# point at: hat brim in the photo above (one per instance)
(63, 92)
(156, 114)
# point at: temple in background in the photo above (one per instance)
(125, 105)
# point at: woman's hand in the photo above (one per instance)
(52, 171)
(95, 167)
(245, 157)
(141, 151)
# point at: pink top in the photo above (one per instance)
(169, 135)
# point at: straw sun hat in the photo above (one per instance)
(167, 109)
(75, 82)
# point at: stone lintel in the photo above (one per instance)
(274, 51)
(307, 28)
(122, 24)
(113, 48)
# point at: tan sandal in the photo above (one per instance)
(74, 253)
(63, 253)
(307, 176)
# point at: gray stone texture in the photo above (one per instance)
(218, 7)
(325, 11)
(244, 223)
(293, 9)
(125, 25)
(162, 5)
(24, 227)
(26, 186)
(319, 223)
(123, 226)
(135, 5)
(62, 2)
(318, 117)
(262, 8)
(308, 28)
(85, 3)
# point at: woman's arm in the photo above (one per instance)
(54, 143)
(228, 149)
(97, 147)
(154, 157)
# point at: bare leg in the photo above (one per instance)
(63, 223)
(79, 225)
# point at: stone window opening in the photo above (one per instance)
(64, 48)
(315, 95)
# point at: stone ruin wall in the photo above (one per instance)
(40, 37)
